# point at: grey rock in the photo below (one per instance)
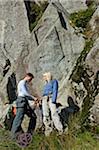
(93, 61)
(74, 5)
(58, 48)
(94, 112)
(53, 46)
(94, 23)
(57, 51)
(14, 32)
(92, 58)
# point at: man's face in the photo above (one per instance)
(29, 79)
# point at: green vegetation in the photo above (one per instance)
(36, 12)
(87, 48)
(74, 140)
(81, 18)
(79, 68)
(80, 73)
(79, 136)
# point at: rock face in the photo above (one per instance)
(94, 23)
(53, 46)
(92, 61)
(92, 58)
(14, 35)
(85, 76)
(73, 5)
(14, 30)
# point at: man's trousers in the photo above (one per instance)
(22, 109)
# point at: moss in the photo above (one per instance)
(76, 76)
(87, 48)
(81, 18)
(80, 75)
(85, 111)
(79, 68)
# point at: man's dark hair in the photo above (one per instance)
(30, 75)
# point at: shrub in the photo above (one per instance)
(36, 12)
(81, 18)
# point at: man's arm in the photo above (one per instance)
(25, 92)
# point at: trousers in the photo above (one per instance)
(22, 109)
(47, 107)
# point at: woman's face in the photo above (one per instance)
(47, 77)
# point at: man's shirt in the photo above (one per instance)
(23, 90)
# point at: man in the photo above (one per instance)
(49, 103)
(23, 106)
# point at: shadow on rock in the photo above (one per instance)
(12, 88)
(67, 111)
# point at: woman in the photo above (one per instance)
(50, 93)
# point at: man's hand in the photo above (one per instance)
(38, 101)
(35, 98)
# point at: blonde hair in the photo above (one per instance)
(48, 75)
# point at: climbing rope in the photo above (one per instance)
(24, 139)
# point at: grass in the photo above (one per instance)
(75, 139)
(83, 141)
